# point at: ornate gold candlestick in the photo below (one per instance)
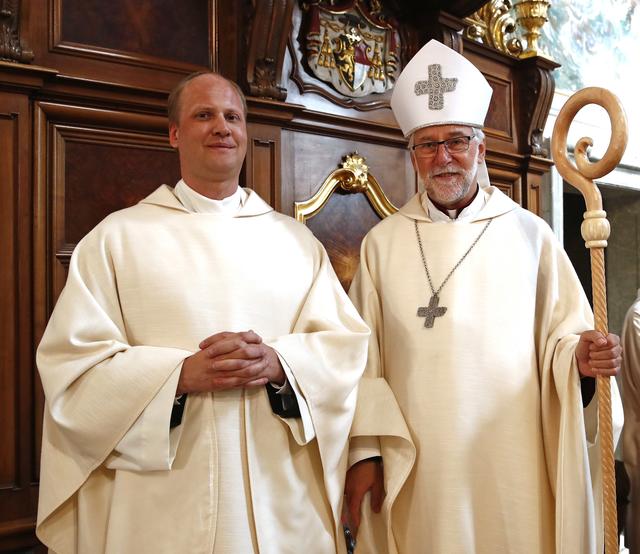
(531, 15)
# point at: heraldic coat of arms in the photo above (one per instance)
(351, 46)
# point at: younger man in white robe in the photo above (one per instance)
(470, 413)
(201, 300)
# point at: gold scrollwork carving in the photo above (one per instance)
(352, 177)
(495, 25)
(502, 23)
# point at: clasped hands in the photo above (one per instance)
(230, 360)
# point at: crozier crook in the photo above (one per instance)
(595, 232)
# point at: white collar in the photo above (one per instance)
(466, 214)
(196, 202)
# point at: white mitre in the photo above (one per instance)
(441, 87)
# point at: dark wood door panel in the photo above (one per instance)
(91, 163)
(18, 455)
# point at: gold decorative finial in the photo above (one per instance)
(357, 182)
(531, 15)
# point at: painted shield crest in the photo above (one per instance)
(352, 48)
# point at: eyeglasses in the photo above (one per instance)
(453, 145)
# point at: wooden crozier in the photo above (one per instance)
(595, 232)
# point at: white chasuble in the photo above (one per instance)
(234, 526)
(144, 288)
(480, 417)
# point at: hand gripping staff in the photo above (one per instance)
(595, 232)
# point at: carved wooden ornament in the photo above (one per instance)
(595, 232)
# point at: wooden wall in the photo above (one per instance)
(83, 90)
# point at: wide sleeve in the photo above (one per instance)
(301, 425)
(562, 313)
(378, 425)
(326, 353)
(97, 385)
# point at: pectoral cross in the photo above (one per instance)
(435, 87)
(431, 311)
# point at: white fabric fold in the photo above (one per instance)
(150, 443)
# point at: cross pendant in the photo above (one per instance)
(431, 311)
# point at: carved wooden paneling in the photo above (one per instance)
(106, 171)
(88, 169)
(9, 186)
(12, 47)
(262, 165)
(499, 120)
(441, 26)
(534, 168)
(535, 88)
(533, 197)
(497, 68)
(269, 28)
(139, 32)
(18, 459)
(126, 47)
(505, 172)
(508, 182)
(136, 30)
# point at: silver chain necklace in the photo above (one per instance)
(432, 311)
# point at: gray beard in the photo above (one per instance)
(465, 187)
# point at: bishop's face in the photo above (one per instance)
(211, 133)
(449, 178)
